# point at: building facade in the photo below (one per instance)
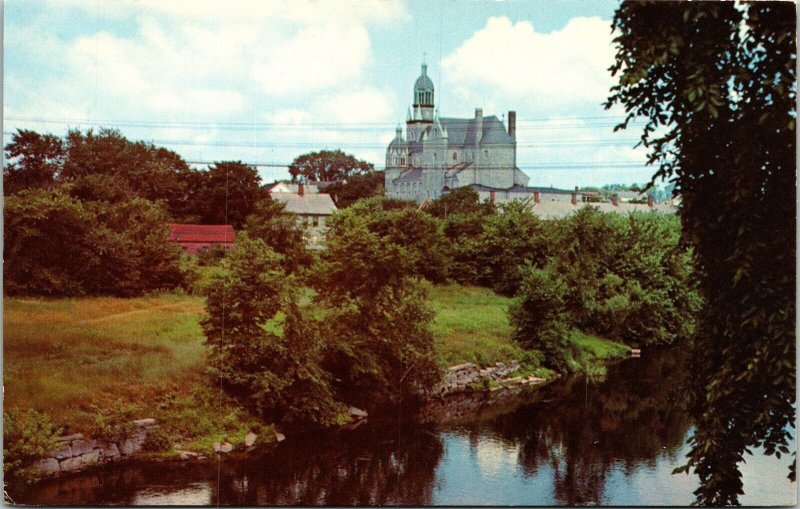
(441, 153)
(313, 210)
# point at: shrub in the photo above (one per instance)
(157, 440)
(27, 438)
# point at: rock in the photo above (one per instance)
(63, 453)
(356, 412)
(128, 447)
(71, 464)
(70, 438)
(215, 446)
(90, 458)
(183, 456)
(144, 423)
(279, 437)
(536, 380)
(47, 466)
(80, 447)
(186, 455)
(226, 447)
(512, 381)
(109, 451)
(459, 367)
(250, 439)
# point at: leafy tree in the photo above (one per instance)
(230, 193)
(328, 165)
(539, 314)
(97, 163)
(376, 309)
(348, 191)
(58, 245)
(459, 201)
(716, 85)
(261, 348)
(34, 161)
(510, 236)
(281, 231)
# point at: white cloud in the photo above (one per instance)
(362, 105)
(545, 69)
(315, 58)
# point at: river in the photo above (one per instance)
(611, 442)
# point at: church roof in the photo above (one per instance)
(462, 131)
(411, 175)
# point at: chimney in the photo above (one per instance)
(512, 123)
(574, 198)
(614, 199)
(649, 201)
(478, 125)
(536, 198)
(300, 189)
(491, 196)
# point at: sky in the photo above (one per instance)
(265, 81)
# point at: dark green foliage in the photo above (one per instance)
(539, 314)
(328, 165)
(281, 231)
(157, 440)
(461, 201)
(211, 256)
(387, 241)
(34, 161)
(269, 360)
(719, 104)
(355, 187)
(621, 277)
(230, 192)
(27, 438)
(375, 307)
(57, 245)
(510, 237)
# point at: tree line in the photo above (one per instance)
(87, 214)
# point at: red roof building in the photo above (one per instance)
(194, 237)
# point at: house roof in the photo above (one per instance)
(201, 233)
(317, 204)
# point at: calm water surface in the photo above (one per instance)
(573, 442)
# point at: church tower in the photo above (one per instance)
(396, 158)
(422, 104)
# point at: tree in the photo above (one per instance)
(56, 244)
(376, 309)
(281, 231)
(272, 363)
(328, 165)
(348, 191)
(34, 161)
(716, 86)
(230, 193)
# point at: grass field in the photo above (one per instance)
(73, 357)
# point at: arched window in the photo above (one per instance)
(455, 156)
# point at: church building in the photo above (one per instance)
(442, 153)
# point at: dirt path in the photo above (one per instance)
(132, 312)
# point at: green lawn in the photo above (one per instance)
(71, 357)
(471, 325)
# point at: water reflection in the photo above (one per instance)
(572, 442)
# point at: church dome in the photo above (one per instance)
(398, 143)
(423, 88)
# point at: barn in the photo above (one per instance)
(196, 237)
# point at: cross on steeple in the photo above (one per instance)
(424, 57)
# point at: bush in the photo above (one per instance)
(157, 440)
(27, 438)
